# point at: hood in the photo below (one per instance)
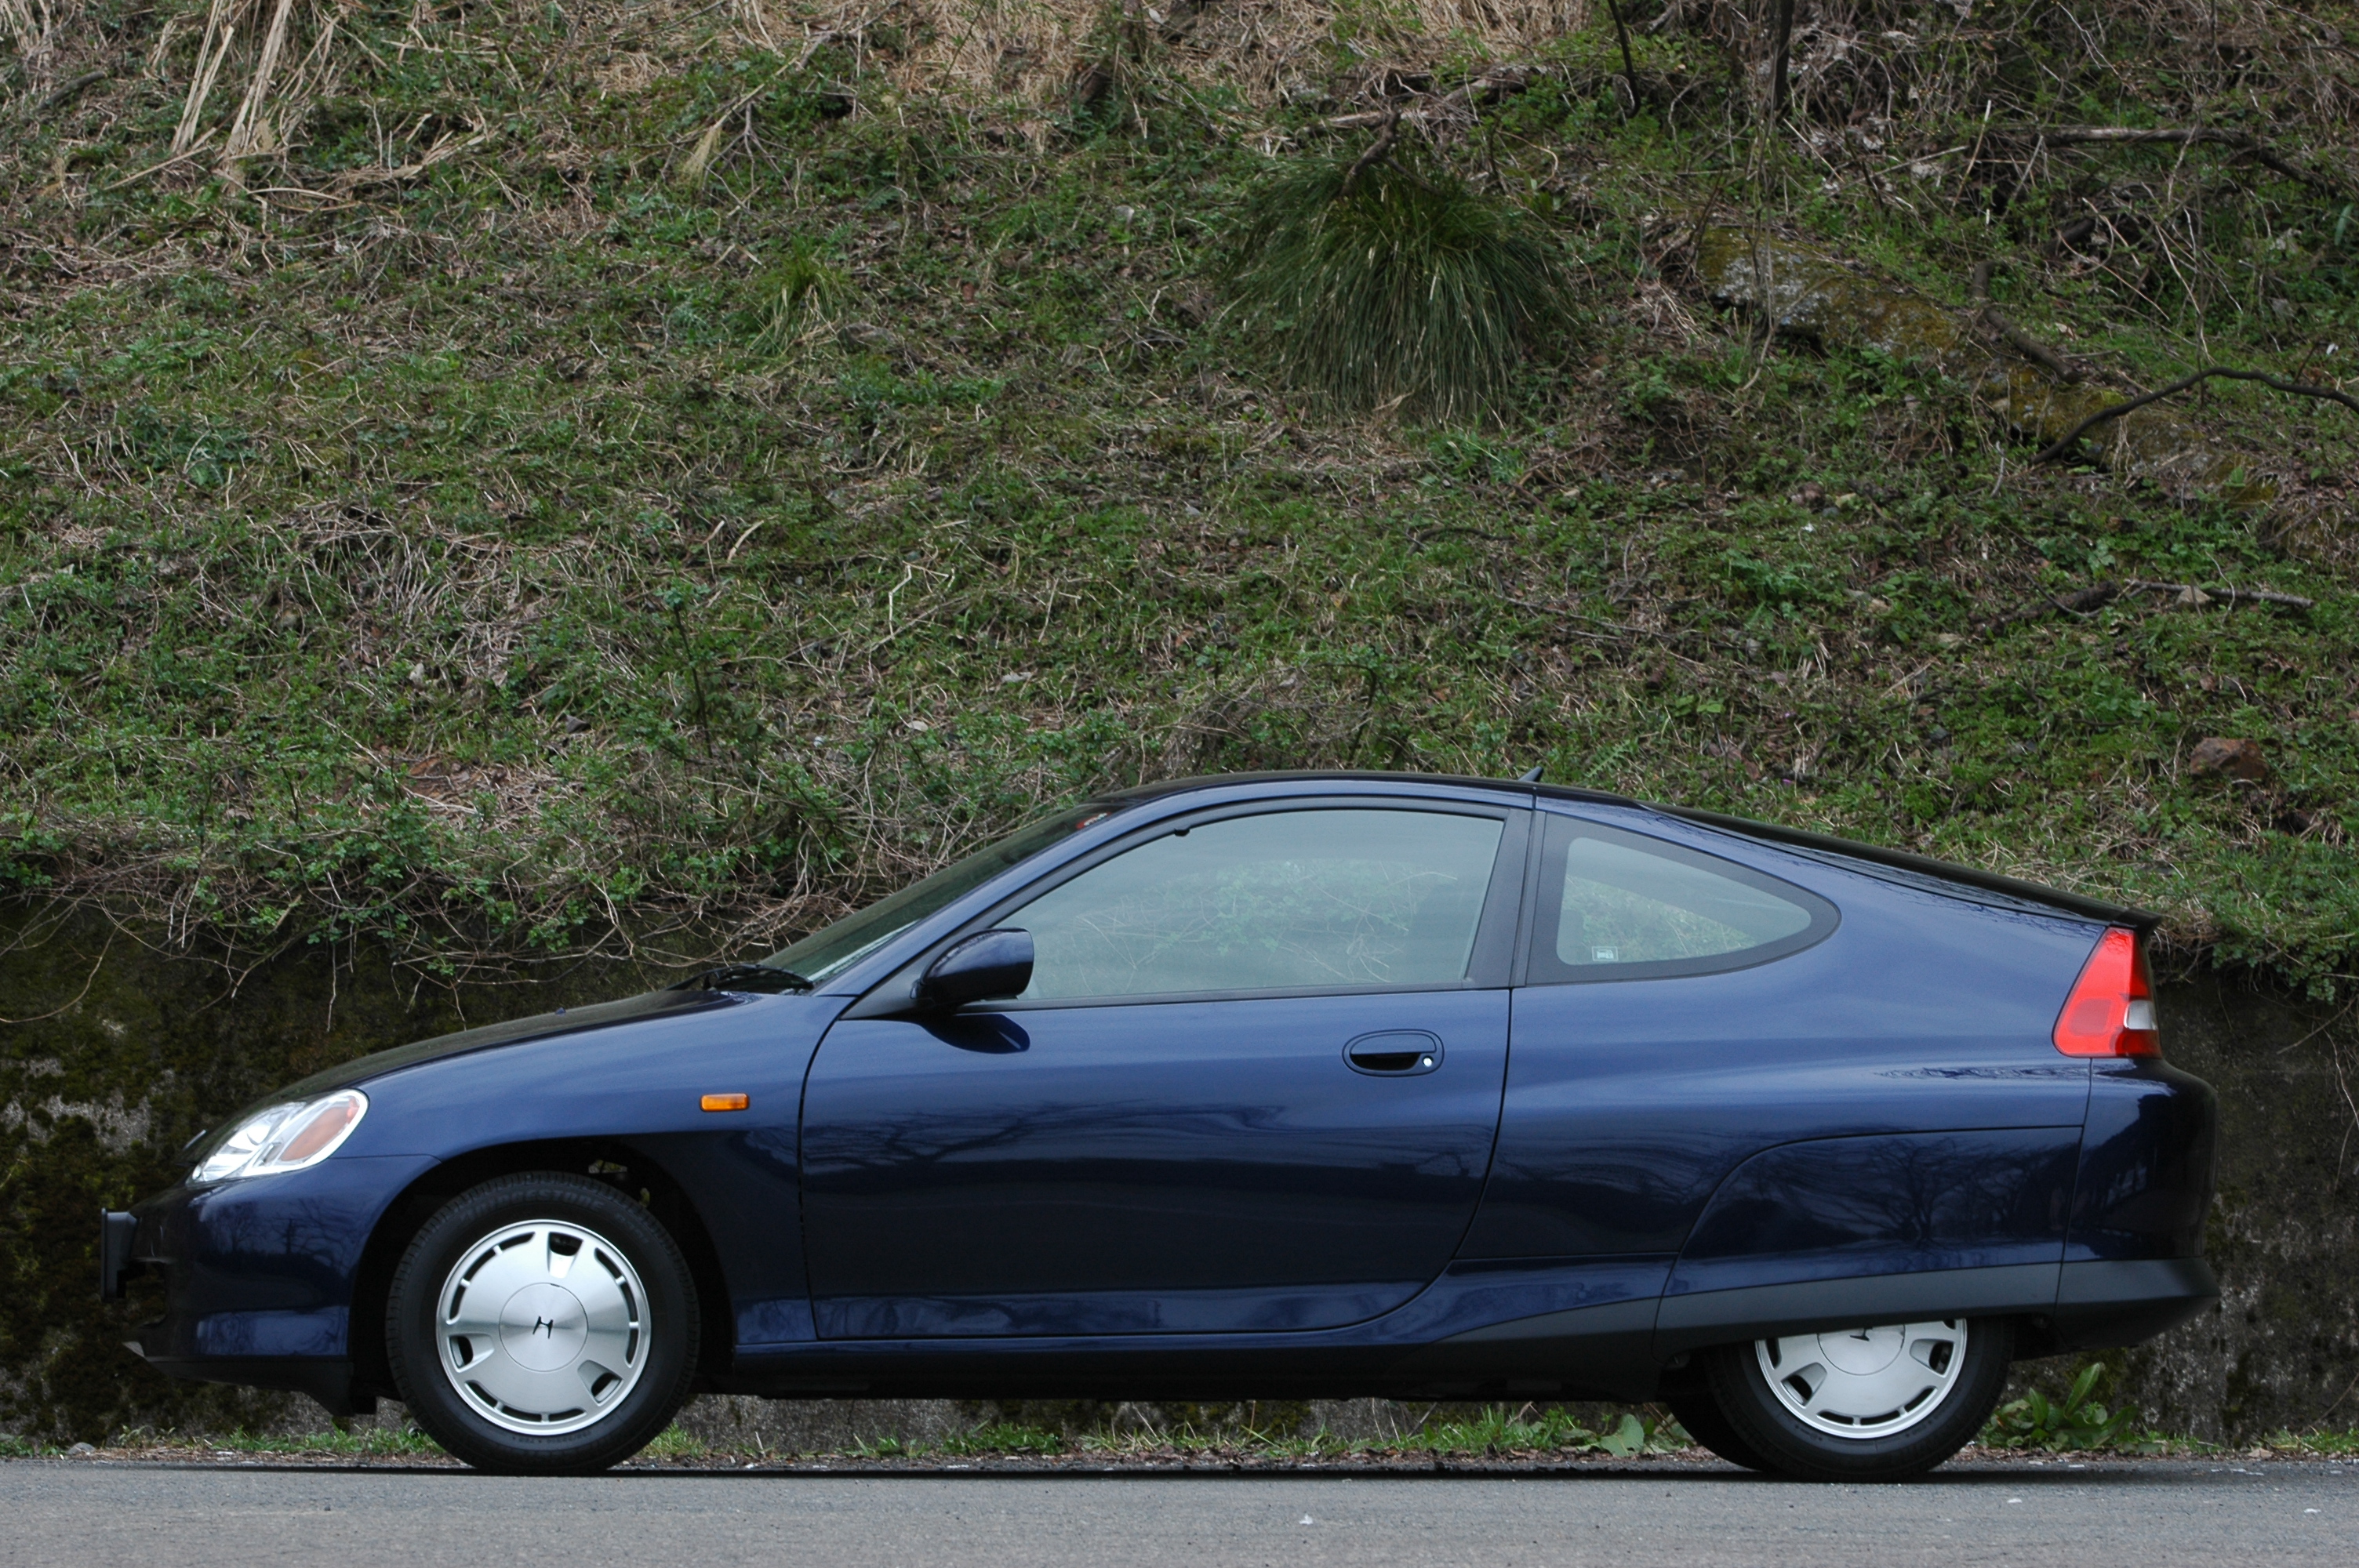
(540, 1026)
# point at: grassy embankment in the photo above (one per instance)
(613, 472)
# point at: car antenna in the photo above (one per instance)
(1531, 777)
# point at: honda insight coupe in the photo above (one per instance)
(1274, 1085)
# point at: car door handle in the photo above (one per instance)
(1394, 1053)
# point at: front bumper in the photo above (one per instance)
(258, 1274)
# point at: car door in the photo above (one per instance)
(1253, 1085)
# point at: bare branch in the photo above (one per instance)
(2063, 443)
(1377, 150)
(2131, 135)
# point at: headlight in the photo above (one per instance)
(285, 1137)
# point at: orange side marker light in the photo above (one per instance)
(725, 1102)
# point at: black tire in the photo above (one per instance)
(1699, 1412)
(1761, 1423)
(662, 1341)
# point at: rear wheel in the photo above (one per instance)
(542, 1324)
(1879, 1403)
(1699, 1414)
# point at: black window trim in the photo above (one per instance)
(1490, 966)
(1538, 965)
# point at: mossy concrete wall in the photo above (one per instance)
(2283, 1349)
(114, 1052)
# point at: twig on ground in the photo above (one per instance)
(65, 90)
(1488, 88)
(2097, 595)
(2220, 593)
(194, 149)
(2029, 347)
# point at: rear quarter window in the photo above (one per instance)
(1615, 905)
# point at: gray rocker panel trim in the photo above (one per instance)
(1762, 1312)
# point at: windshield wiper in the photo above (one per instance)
(744, 978)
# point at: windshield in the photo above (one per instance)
(825, 954)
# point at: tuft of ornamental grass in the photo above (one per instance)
(1398, 290)
(798, 293)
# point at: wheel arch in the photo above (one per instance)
(631, 1171)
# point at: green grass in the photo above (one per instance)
(485, 561)
(672, 1442)
(1493, 1432)
(375, 1442)
(2325, 1444)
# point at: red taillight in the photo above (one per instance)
(2110, 1010)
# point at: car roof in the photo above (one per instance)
(2012, 890)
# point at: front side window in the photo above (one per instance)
(1280, 901)
(1617, 906)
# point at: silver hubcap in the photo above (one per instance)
(542, 1327)
(1865, 1382)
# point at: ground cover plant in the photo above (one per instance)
(487, 485)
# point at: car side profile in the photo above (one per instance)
(1276, 1085)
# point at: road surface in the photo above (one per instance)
(86, 1512)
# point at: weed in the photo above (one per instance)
(674, 1442)
(2323, 1444)
(1006, 1438)
(2072, 1423)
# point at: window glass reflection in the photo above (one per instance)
(1298, 900)
(1624, 906)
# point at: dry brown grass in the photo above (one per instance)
(1042, 51)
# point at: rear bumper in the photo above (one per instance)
(2106, 1304)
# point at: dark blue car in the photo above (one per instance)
(1279, 1086)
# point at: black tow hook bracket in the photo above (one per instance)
(116, 1231)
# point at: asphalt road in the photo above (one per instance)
(2147, 1514)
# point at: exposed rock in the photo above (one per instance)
(2217, 756)
(817, 1427)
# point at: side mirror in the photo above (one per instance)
(987, 966)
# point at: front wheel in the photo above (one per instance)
(542, 1324)
(1879, 1403)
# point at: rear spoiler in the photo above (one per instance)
(2139, 920)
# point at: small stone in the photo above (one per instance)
(2217, 755)
(81, 1448)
